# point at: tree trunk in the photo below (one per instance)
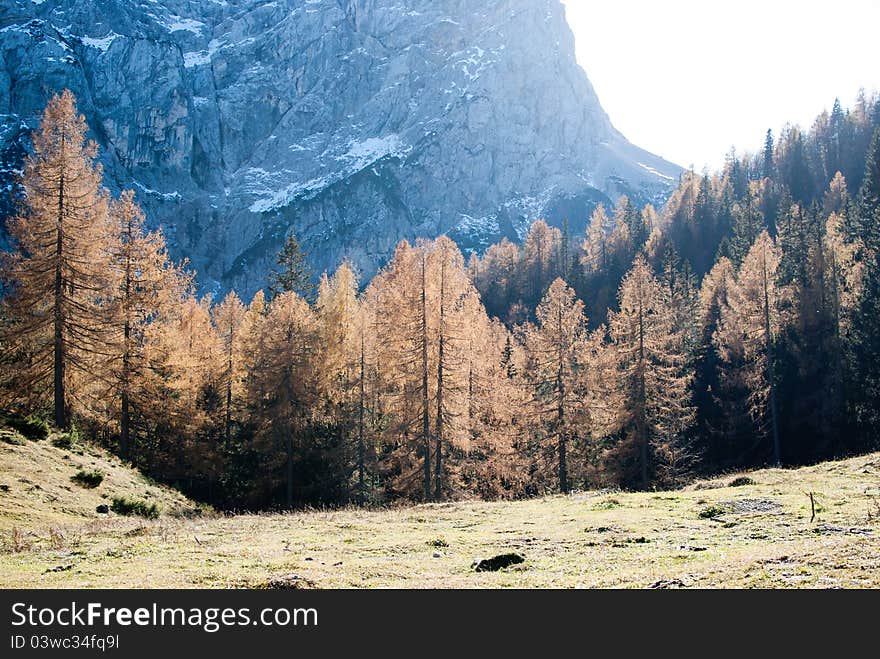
(289, 430)
(560, 410)
(768, 344)
(438, 470)
(125, 428)
(228, 420)
(563, 464)
(289, 470)
(471, 384)
(641, 421)
(837, 356)
(58, 317)
(426, 428)
(125, 421)
(361, 405)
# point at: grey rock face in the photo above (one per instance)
(354, 123)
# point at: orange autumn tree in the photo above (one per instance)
(56, 279)
(559, 349)
(424, 301)
(144, 283)
(751, 321)
(229, 319)
(283, 387)
(648, 386)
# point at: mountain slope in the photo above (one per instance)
(354, 122)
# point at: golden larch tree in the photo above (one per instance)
(557, 347)
(650, 389)
(229, 319)
(751, 321)
(284, 384)
(145, 282)
(56, 279)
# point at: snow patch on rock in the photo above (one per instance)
(364, 153)
(653, 171)
(179, 24)
(103, 43)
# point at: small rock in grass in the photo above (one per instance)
(103, 509)
(499, 562)
(59, 568)
(288, 582)
(668, 583)
(437, 554)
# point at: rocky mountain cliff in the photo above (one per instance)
(354, 123)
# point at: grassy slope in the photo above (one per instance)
(36, 490)
(762, 537)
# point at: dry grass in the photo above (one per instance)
(36, 490)
(760, 536)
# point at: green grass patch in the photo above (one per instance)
(126, 506)
(67, 440)
(88, 479)
(607, 504)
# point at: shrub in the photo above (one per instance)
(124, 506)
(711, 512)
(31, 426)
(740, 481)
(67, 440)
(62, 440)
(12, 437)
(17, 541)
(88, 479)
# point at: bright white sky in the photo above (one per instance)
(688, 79)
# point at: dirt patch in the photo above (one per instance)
(781, 560)
(827, 529)
(751, 506)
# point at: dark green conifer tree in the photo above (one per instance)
(293, 272)
(866, 324)
(768, 169)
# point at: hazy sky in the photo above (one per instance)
(688, 79)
